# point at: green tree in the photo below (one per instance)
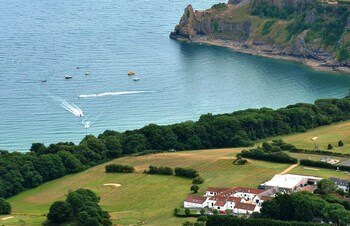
(198, 180)
(59, 212)
(194, 188)
(50, 166)
(70, 162)
(78, 198)
(38, 148)
(340, 143)
(330, 146)
(114, 147)
(5, 207)
(202, 211)
(326, 186)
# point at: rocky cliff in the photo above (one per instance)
(305, 30)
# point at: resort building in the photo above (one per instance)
(289, 183)
(239, 199)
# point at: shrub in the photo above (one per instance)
(267, 26)
(194, 188)
(343, 54)
(329, 147)
(340, 143)
(162, 170)
(116, 168)
(198, 180)
(260, 154)
(186, 172)
(5, 207)
(187, 212)
(239, 161)
(219, 6)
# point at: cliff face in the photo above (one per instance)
(193, 23)
(284, 28)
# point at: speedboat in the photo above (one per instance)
(135, 79)
(68, 77)
(131, 73)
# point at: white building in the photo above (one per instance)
(290, 182)
(245, 208)
(195, 201)
(214, 191)
(240, 200)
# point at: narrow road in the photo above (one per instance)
(289, 169)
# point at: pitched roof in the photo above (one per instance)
(245, 206)
(308, 188)
(339, 182)
(249, 190)
(217, 198)
(196, 199)
(217, 190)
(265, 198)
(220, 203)
(234, 199)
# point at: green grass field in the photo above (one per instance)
(326, 134)
(144, 198)
(150, 199)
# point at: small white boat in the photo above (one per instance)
(135, 79)
(87, 73)
(68, 77)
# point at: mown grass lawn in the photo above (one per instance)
(318, 172)
(144, 198)
(326, 134)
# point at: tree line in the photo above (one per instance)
(116, 168)
(20, 171)
(308, 162)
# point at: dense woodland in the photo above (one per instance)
(20, 171)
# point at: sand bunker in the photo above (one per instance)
(6, 218)
(310, 168)
(112, 184)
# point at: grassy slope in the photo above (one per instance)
(326, 134)
(148, 198)
(151, 198)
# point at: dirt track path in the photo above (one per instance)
(289, 169)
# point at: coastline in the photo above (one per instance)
(265, 51)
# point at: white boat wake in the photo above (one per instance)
(111, 94)
(70, 107)
(87, 123)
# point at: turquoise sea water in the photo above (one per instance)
(46, 40)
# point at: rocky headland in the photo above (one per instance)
(299, 30)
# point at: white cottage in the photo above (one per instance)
(245, 208)
(195, 201)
